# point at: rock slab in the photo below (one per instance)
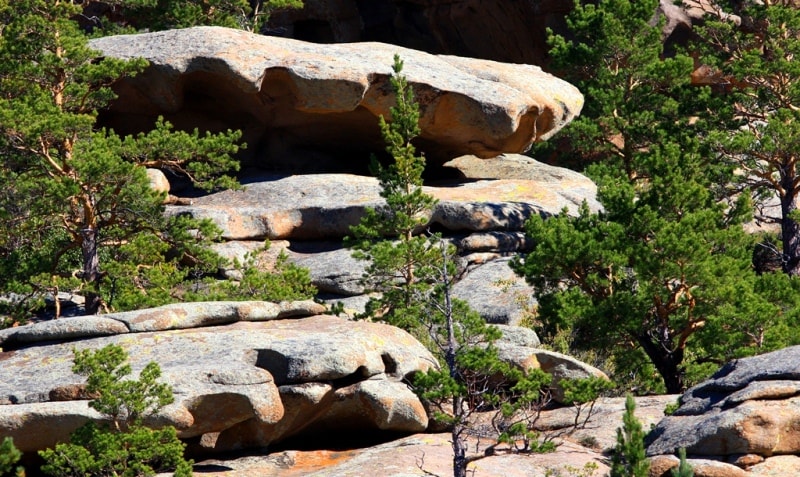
(750, 407)
(296, 101)
(227, 375)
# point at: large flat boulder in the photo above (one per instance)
(751, 406)
(229, 375)
(296, 101)
(324, 206)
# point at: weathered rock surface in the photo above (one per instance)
(229, 376)
(167, 317)
(559, 366)
(597, 426)
(324, 206)
(296, 101)
(415, 455)
(497, 293)
(426, 454)
(751, 407)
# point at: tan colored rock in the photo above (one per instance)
(158, 181)
(42, 425)
(376, 404)
(714, 468)
(776, 466)
(603, 421)
(324, 206)
(297, 101)
(661, 465)
(559, 366)
(385, 404)
(745, 461)
(225, 375)
(415, 455)
(518, 166)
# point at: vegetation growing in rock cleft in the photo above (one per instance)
(414, 272)
(122, 446)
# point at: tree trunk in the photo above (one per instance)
(667, 362)
(459, 448)
(790, 229)
(91, 268)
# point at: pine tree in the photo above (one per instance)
(684, 469)
(9, 456)
(124, 446)
(154, 15)
(402, 260)
(629, 459)
(72, 191)
(414, 272)
(655, 278)
(755, 62)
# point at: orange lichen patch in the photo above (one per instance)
(310, 461)
(494, 191)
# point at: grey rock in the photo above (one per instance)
(325, 206)
(779, 365)
(221, 375)
(749, 406)
(195, 315)
(63, 329)
(333, 268)
(167, 317)
(518, 166)
(496, 293)
(518, 336)
(558, 366)
(496, 242)
(322, 206)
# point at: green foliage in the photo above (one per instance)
(124, 446)
(155, 15)
(402, 269)
(629, 458)
(9, 456)
(472, 377)
(757, 64)
(684, 469)
(78, 211)
(282, 281)
(670, 408)
(664, 271)
(583, 394)
(414, 274)
(588, 470)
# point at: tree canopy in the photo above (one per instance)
(756, 63)
(665, 269)
(77, 208)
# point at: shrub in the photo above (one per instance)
(123, 446)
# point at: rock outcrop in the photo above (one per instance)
(242, 378)
(324, 206)
(747, 413)
(307, 216)
(245, 374)
(298, 102)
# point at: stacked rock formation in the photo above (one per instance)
(743, 421)
(244, 374)
(309, 115)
